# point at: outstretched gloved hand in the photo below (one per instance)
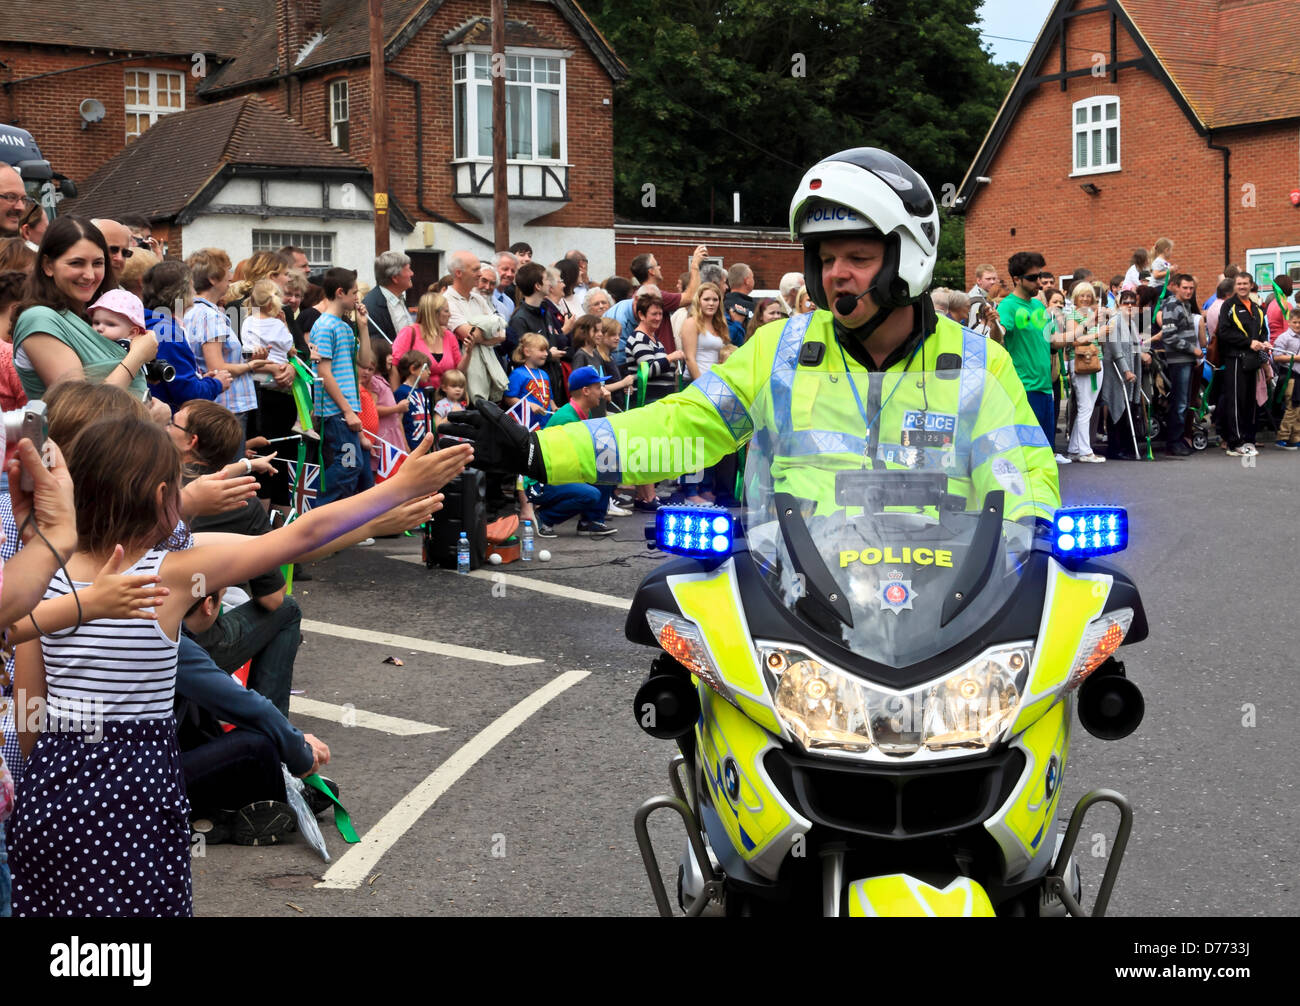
(501, 443)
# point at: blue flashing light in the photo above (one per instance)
(1082, 532)
(697, 532)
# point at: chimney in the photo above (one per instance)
(296, 23)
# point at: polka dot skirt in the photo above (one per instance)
(102, 827)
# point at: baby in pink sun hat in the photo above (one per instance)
(118, 315)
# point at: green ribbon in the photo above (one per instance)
(342, 820)
(302, 384)
(642, 376)
(1284, 302)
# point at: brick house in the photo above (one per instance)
(1133, 120)
(310, 59)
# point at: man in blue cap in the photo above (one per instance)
(589, 503)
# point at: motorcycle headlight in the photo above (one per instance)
(682, 640)
(1100, 640)
(829, 711)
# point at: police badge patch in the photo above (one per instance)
(896, 594)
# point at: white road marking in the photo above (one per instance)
(541, 586)
(352, 868)
(351, 717)
(556, 589)
(412, 643)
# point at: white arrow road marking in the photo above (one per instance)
(351, 869)
(351, 717)
(411, 643)
(541, 586)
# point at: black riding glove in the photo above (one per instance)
(501, 444)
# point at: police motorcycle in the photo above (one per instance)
(872, 676)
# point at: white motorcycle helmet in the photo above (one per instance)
(866, 192)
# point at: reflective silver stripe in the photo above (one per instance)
(730, 408)
(784, 364)
(1004, 438)
(604, 443)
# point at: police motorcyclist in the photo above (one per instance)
(870, 231)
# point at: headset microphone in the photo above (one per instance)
(846, 303)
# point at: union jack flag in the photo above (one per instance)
(523, 415)
(390, 458)
(304, 494)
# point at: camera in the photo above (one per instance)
(30, 422)
(155, 371)
(159, 372)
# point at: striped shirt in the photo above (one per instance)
(205, 322)
(643, 348)
(111, 668)
(333, 339)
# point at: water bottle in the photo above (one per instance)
(462, 555)
(526, 542)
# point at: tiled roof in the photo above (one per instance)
(346, 37)
(160, 173)
(1235, 63)
(345, 27)
(223, 27)
(478, 31)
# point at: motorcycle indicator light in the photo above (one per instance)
(682, 640)
(696, 532)
(1082, 532)
(1100, 640)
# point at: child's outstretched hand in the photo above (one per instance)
(217, 493)
(114, 595)
(407, 516)
(426, 471)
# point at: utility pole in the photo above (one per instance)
(378, 126)
(500, 184)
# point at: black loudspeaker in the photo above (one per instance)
(666, 706)
(463, 509)
(1110, 705)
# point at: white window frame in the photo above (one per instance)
(335, 85)
(1090, 126)
(1277, 258)
(268, 239)
(469, 81)
(152, 109)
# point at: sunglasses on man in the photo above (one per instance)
(122, 250)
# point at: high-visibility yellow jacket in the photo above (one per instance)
(810, 423)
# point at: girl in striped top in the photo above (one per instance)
(102, 822)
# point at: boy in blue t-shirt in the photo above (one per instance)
(411, 368)
(336, 355)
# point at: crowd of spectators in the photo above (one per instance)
(147, 557)
(1143, 363)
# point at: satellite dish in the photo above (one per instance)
(92, 110)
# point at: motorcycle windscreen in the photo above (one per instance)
(894, 511)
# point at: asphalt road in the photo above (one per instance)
(532, 814)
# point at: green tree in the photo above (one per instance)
(745, 95)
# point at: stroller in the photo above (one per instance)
(1199, 403)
